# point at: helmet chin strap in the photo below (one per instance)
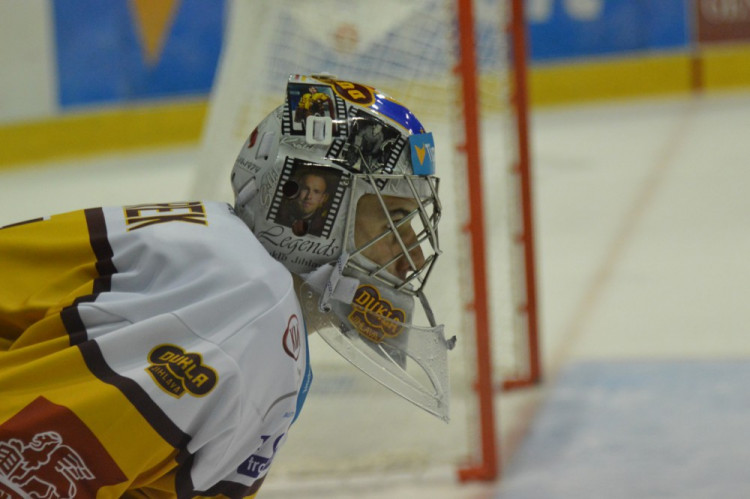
(332, 284)
(246, 192)
(243, 197)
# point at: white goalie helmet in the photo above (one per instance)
(338, 185)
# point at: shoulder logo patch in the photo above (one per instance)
(176, 371)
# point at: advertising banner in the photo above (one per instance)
(722, 20)
(564, 29)
(126, 50)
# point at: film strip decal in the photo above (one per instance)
(342, 123)
(286, 119)
(337, 145)
(390, 164)
(335, 205)
(286, 174)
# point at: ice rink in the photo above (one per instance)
(643, 234)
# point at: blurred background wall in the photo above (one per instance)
(85, 76)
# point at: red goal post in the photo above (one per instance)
(460, 65)
(487, 466)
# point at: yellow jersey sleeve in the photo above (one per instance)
(45, 265)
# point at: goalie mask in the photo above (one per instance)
(338, 185)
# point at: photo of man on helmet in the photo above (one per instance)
(305, 202)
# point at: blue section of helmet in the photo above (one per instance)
(422, 148)
(398, 113)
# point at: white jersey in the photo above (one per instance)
(184, 356)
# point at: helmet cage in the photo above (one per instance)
(423, 220)
(361, 290)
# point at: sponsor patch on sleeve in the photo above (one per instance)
(176, 371)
